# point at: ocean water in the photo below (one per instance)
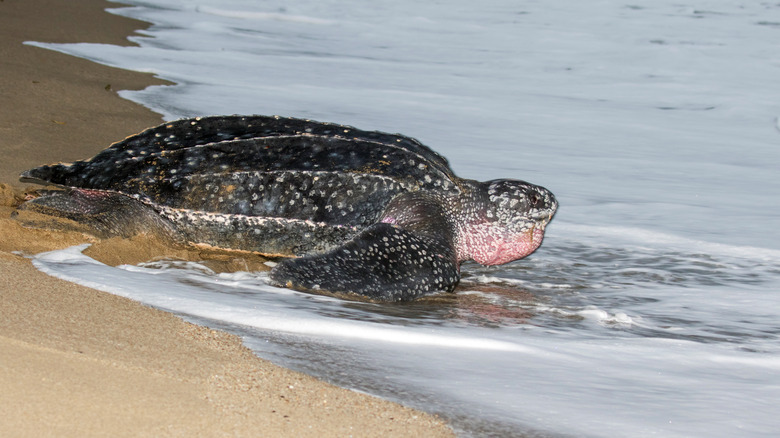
(652, 308)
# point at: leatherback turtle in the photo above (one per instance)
(365, 212)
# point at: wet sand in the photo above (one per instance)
(79, 362)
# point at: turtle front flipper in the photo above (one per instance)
(384, 262)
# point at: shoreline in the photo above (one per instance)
(76, 361)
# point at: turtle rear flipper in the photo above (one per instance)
(384, 262)
(107, 214)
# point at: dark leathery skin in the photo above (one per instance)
(384, 262)
(371, 213)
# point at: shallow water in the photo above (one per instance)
(616, 340)
(651, 309)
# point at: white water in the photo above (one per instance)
(653, 306)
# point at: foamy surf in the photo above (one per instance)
(252, 15)
(234, 307)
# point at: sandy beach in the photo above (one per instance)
(79, 362)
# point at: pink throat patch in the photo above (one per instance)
(488, 249)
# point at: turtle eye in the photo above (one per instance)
(534, 199)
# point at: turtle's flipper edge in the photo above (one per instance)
(384, 263)
(107, 214)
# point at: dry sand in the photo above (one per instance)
(79, 362)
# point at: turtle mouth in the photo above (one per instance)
(543, 216)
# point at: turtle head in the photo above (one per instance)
(505, 221)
